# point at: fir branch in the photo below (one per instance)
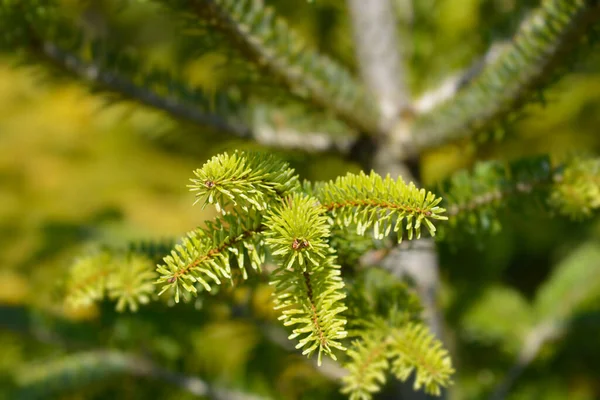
(151, 87)
(87, 279)
(37, 380)
(308, 285)
(382, 311)
(48, 37)
(132, 283)
(297, 232)
(384, 203)
(576, 191)
(161, 90)
(538, 51)
(311, 303)
(126, 278)
(411, 347)
(474, 199)
(268, 42)
(367, 366)
(415, 348)
(204, 256)
(247, 180)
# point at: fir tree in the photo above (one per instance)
(320, 245)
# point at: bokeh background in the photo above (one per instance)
(77, 169)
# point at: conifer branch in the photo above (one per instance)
(409, 348)
(415, 348)
(154, 88)
(247, 180)
(385, 320)
(473, 199)
(539, 49)
(124, 75)
(368, 366)
(250, 182)
(126, 278)
(308, 284)
(576, 189)
(269, 43)
(204, 256)
(383, 203)
(160, 90)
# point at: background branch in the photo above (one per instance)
(119, 84)
(541, 46)
(452, 84)
(285, 138)
(270, 43)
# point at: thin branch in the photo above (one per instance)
(262, 133)
(102, 363)
(532, 345)
(378, 54)
(501, 193)
(119, 84)
(542, 45)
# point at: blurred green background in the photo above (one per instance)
(76, 170)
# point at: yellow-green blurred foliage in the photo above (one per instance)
(72, 171)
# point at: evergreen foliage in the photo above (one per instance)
(384, 203)
(204, 255)
(474, 198)
(270, 44)
(294, 231)
(250, 180)
(531, 61)
(128, 279)
(308, 285)
(303, 244)
(388, 335)
(46, 36)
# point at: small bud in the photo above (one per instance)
(209, 184)
(296, 244)
(300, 244)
